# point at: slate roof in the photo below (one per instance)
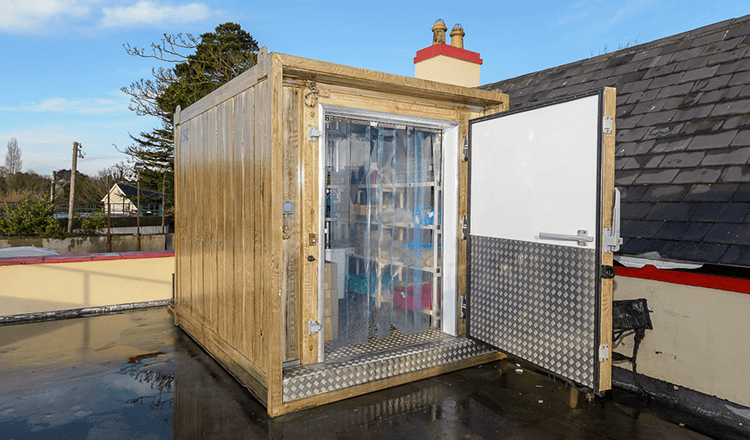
(683, 138)
(132, 191)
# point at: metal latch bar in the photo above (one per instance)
(582, 238)
(313, 327)
(313, 134)
(612, 240)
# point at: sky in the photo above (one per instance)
(63, 62)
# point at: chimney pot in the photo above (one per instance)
(457, 36)
(438, 32)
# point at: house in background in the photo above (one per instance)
(119, 198)
(682, 165)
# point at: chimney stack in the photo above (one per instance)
(450, 64)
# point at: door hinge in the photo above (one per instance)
(464, 228)
(608, 125)
(612, 240)
(603, 352)
(313, 134)
(313, 327)
(465, 150)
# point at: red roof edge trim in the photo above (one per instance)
(449, 51)
(12, 261)
(686, 278)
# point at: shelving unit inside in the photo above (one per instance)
(383, 229)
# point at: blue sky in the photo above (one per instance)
(63, 63)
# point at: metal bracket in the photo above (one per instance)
(608, 125)
(612, 240)
(287, 207)
(465, 150)
(464, 228)
(603, 352)
(313, 327)
(313, 134)
(581, 238)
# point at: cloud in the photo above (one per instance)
(81, 106)
(30, 16)
(146, 13)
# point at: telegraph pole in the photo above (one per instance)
(76, 154)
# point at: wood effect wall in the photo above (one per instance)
(224, 247)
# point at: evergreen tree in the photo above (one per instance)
(218, 57)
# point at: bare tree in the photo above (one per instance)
(13, 160)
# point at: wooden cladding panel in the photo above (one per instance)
(262, 179)
(225, 224)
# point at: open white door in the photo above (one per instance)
(538, 196)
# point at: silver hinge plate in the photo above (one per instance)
(608, 125)
(612, 240)
(603, 352)
(313, 134)
(313, 327)
(464, 228)
(465, 150)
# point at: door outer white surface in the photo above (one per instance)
(535, 172)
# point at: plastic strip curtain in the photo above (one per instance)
(384, 187)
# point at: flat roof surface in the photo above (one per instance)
(134, 375)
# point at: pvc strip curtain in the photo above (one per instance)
(383, 217)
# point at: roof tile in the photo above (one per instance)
(702, 126)
(667, 80)
(670, 91)
(623, 178)
(643, 162)
(710, 38)
(725, 45)
(718, 140)
(694, 251)
(674, 47)
(649, 106)
(714, 83)
(648, 95)
(656, 176)
(686, 54)
(742, 194)
(729, 233)
(631, 135)
(737, 66)
(628, 122)
(723, 57)
(737, 256)
(710, 193)
(736, 174)
(671, 211)
(663, 131)
(631, 193)
(737, 121)
(654, 118)
(740, 78)
(693, 112)
(635, 211)
(639, 229)
(639, 86)
(670, 145)
(683, 231)
(719, 95)
(681, 102)
(682, 160)
(664, 193)
(738, 31)
(693, 64)
(659, 70)
(698, 175)
(699, 74)
(636, 246)
(729, 156)
(631, 148)
(721, 212)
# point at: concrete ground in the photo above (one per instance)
(134, 375)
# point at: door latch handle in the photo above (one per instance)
(582, 238)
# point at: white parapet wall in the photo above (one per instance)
(698, 340)
(31, 286)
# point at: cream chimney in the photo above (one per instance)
(457, 36)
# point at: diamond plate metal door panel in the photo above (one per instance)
(536, 301)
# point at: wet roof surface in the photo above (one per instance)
(683, 138)
(134, 375)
